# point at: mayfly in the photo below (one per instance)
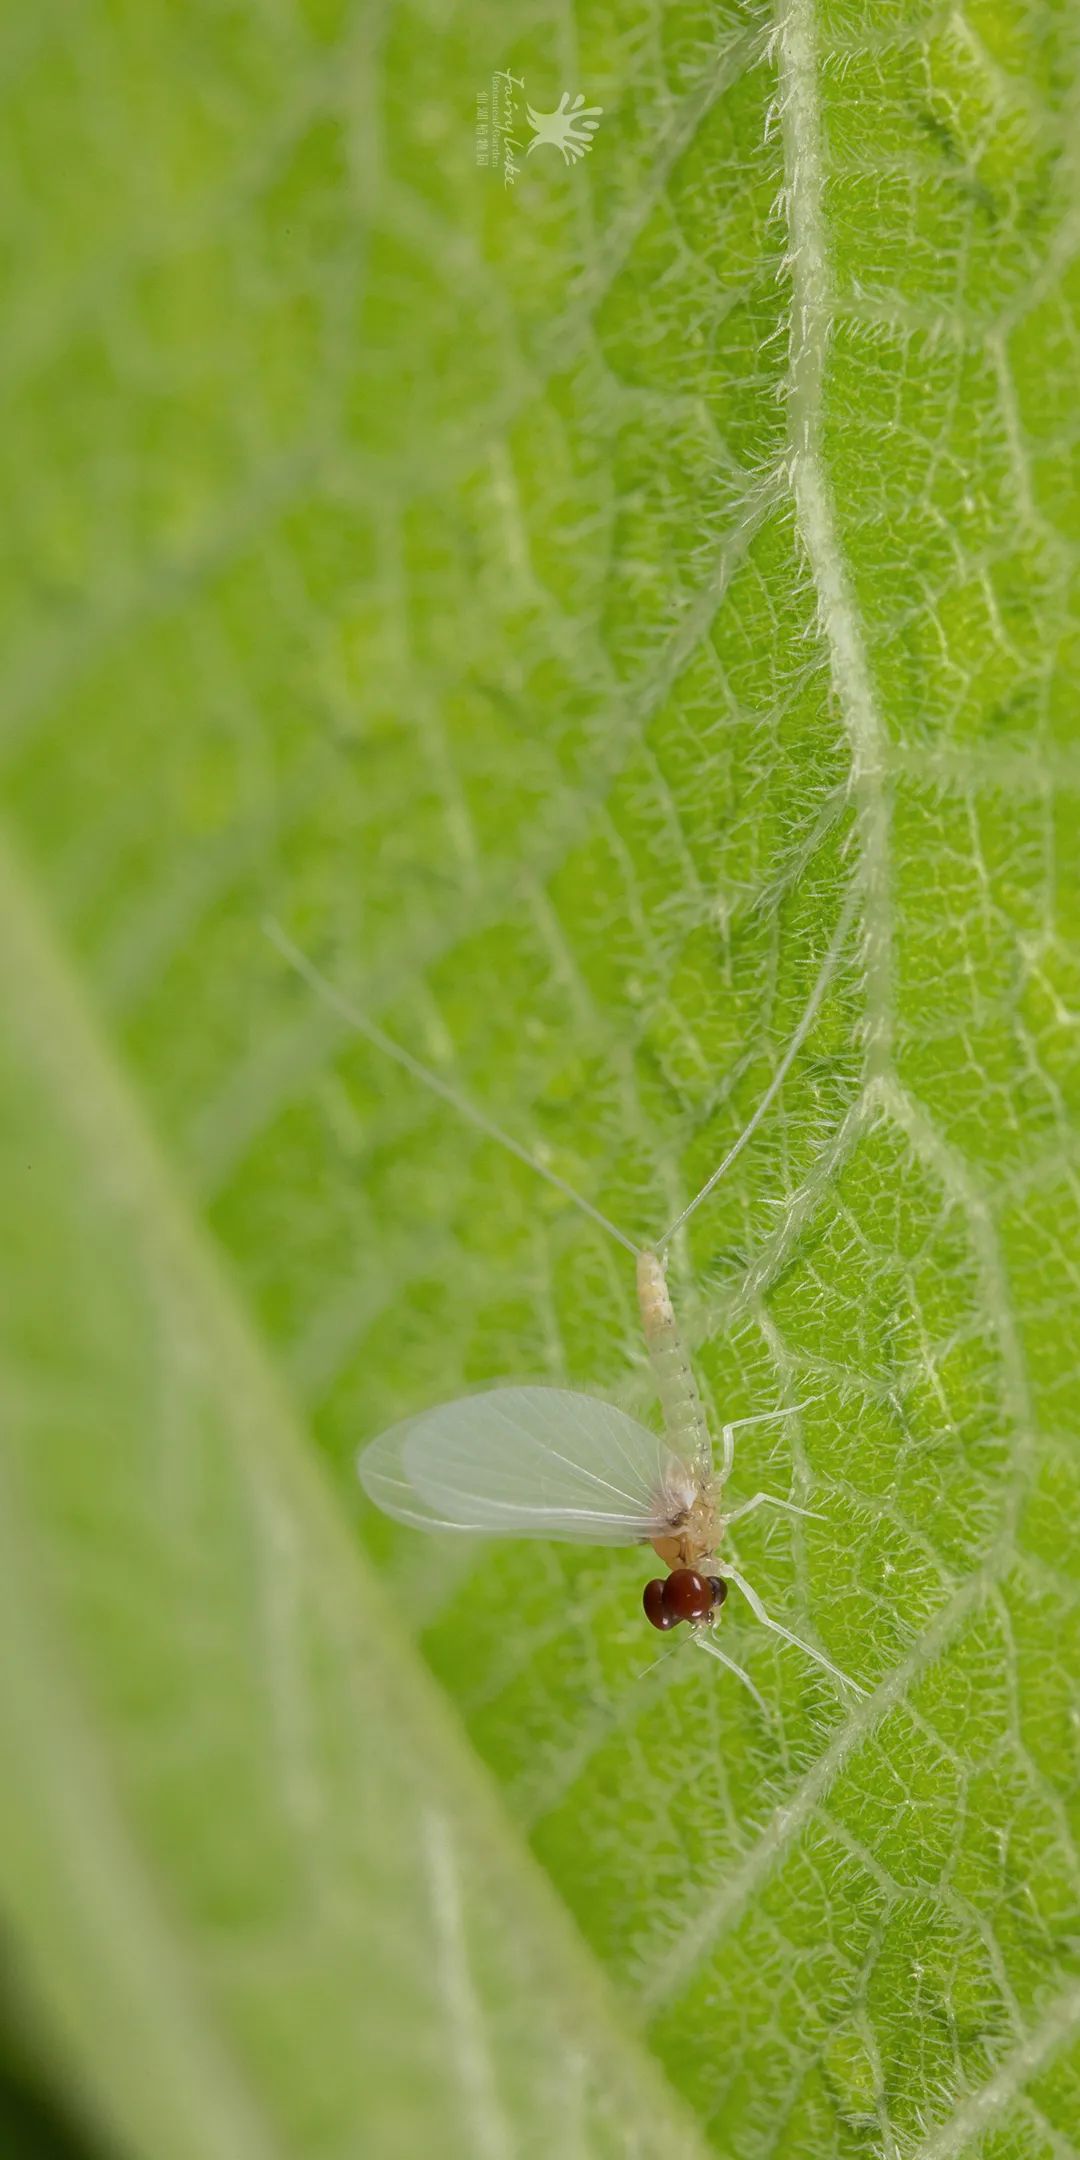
(547, 1462)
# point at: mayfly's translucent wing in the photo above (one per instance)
(528, 1462)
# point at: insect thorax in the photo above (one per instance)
(693, 1538)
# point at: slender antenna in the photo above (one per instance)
(791, 1053)
(662, 1659)
(391, 1049)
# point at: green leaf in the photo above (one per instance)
(562, 605)
(256, 1881)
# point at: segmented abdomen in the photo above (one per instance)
(684, 1416)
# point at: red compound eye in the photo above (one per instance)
(687, 1595)
(652, 1598)
(719, 1589)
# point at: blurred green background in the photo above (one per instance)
(554, 603)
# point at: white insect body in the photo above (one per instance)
(549, 1462)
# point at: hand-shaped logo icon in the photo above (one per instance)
(570, 128)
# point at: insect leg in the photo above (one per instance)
(727, 1452)
(758, 1609)
(760, 1417)
(704, 1641)
(768, 1499)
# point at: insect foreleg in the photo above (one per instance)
(768, 1499)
